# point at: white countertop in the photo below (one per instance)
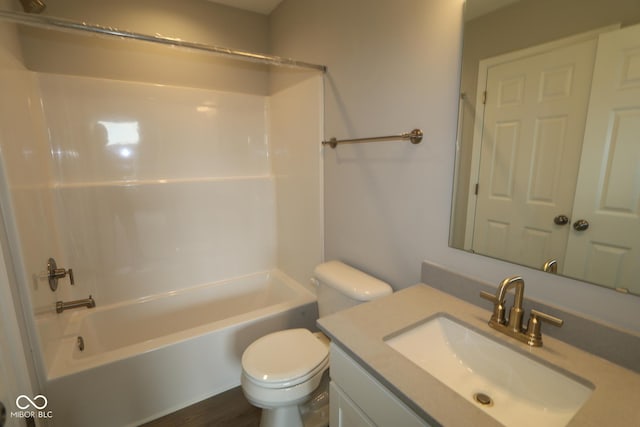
(360, 330)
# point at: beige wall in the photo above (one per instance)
(523, 24)
(193, 20)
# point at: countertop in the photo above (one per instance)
(360, 331)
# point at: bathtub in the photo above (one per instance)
(147, 358)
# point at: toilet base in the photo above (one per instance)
(312, 413)
(283, 416)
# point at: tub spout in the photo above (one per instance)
(62, 306)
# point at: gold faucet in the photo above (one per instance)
(551, 266)
(512, 326)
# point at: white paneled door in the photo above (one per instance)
(531, 141)
(607, 197)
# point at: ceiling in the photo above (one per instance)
(473, 9)
(477, 8)
(261, 6)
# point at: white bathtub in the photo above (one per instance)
(147, 358)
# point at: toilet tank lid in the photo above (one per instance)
(352, 282)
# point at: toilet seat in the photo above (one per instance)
(286, 358)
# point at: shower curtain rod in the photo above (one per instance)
(65, 24)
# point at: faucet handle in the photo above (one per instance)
(534, 333)
(489, 297)
(54, 273)
(546, 317)
(498, 315)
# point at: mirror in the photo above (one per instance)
(548, 148)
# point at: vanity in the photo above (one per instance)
(375, 382)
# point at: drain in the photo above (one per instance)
(80, 343)
(483, 399)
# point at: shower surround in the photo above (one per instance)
(158, 185)
(158, 193)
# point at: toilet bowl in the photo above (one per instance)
(282, 370)
(286, 372)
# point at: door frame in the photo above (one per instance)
(478, 126)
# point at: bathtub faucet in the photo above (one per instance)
(62, 306)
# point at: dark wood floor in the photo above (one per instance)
(227, 409)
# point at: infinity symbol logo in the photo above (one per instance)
(31, 402)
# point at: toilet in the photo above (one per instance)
(286, 372)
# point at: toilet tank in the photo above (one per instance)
(341, 286)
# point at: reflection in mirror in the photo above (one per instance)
(548, 149)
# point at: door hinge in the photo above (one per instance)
(484, 97)
(477, 186)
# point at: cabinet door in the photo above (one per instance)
(345, 413)
(377, 404)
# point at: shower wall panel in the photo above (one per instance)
(109, 130)
(157, 187)
(27, 199)
(295, 129)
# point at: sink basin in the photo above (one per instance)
(510, 386)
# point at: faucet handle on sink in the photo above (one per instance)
(498, 315)
(488, 296)
(534, 333)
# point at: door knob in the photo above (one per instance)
(581, 225)
(561, 220)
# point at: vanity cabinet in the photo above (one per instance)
(359, 400)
